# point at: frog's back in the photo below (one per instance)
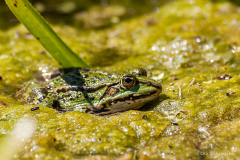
(76, 88)
(79, 89)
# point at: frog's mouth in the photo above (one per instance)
(132, 101)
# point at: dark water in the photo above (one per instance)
(63, 11)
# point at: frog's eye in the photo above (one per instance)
(139, 72)
(128, 81)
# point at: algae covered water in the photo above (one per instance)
(191, 47)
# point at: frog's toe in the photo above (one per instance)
(100, 111)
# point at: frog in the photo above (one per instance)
(90, 91)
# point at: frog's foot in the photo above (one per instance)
(56, 105)
(98, 111)
(62, 110)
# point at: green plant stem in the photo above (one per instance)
(38, 27)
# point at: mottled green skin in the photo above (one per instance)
(50, 93)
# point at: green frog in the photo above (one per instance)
(88, 91)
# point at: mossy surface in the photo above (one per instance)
(177, 43)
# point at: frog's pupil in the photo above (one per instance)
(128, 80)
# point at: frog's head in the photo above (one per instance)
(132, 92)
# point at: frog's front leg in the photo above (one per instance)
(33, 93)
(51, 100)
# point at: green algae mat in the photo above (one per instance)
(191, 47)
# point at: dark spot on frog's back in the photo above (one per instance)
(85, 75)
(112, 91)
(86, 96)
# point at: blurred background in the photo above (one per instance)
(103, 13)
(77, 12)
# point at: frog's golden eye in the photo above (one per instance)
(128, 81)
(139, 72)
